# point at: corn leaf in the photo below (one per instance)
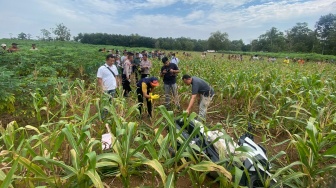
(156, 166)
(206, 166)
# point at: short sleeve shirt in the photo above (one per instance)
(169, 78)
(109, 81)
(199, 86)
(175, 60)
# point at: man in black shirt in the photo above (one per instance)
(169, 72)
(206, 92)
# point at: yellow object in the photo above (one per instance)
(156, 96)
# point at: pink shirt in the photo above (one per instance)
(145, 66)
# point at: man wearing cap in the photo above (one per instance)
(3, 48)
(206, 92)
(145, 86)
(168, 72)
(14, 48)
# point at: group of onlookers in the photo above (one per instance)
(109, 79)
(13, 48)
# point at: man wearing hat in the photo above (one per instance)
(3, 48)
(14, 48)
(145, 86)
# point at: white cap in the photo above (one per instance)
(2, 45)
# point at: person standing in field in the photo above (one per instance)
(202, 88)
(33, 47)
(126, 77)
(174, 59)
(145, 66)
(3, 48)
(286, 61)
(107, 76)
(14, 48)
(122, 60)
(169, 72)
(118, 64)
(145, 86)
(136, 66)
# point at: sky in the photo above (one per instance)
(195, 19)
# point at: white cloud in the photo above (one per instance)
(195, 15)
(246, 19)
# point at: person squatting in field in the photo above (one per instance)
(145, 86)
(202, 88)
(169, 72)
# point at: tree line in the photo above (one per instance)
(299, 38)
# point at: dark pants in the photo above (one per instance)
(136, 73)
(144, 75)
(126, 85)
(112, 95)
(140, 100)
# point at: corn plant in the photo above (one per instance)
(315, 149)
(185, 158)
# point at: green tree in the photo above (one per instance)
(218, 41)
(273, 40)
(236, 45)
(46, 35)
(29, 36)
(325, 29)
(22, 36)
(300, 38)
(62, 32)
(79, 37)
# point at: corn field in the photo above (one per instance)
(52, 125)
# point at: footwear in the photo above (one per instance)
(167, 107)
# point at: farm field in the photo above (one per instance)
(51, 125)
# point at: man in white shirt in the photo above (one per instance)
(174, 59)
(107, 76)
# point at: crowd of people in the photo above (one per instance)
(120, 68)
(118, 71)
(13, 48)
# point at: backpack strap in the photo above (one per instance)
(110, 70)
